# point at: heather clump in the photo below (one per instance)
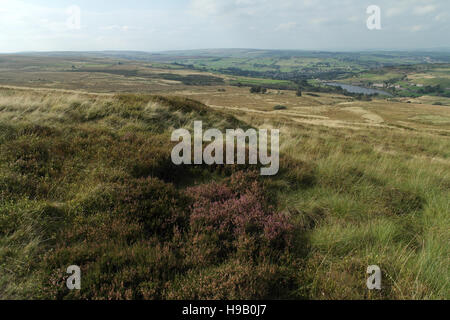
(235, 217)
(154, 203)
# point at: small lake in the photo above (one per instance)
(356, 89)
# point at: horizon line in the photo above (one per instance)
(436, 49)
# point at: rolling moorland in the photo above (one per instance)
(86, 176)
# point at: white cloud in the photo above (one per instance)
(204, 7)
(424, 10)
(395, 11)
(310, 3)
(417, 28)
(288, 26)
(318, 21)
(441, 17)
(23, 17)
(118, 28)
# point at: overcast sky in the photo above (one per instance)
(156, 25)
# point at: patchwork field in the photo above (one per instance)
(432, 80)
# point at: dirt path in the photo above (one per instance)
(367, 115)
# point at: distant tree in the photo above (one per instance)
(254, 90)
(258, 89)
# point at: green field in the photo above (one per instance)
(408, 81)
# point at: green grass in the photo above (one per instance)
(256, 81)
(365, 216)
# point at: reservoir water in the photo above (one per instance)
(356, 89)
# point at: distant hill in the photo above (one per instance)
(439, 54)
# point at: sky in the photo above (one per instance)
(159, 25)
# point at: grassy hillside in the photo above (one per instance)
(294, 64)
(86, 179)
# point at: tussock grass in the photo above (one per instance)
(379, 198)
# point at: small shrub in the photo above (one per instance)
(156, 204)
(297, 173)
(400, 202)
(234, 280)
(230, 216)
(258, 89)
